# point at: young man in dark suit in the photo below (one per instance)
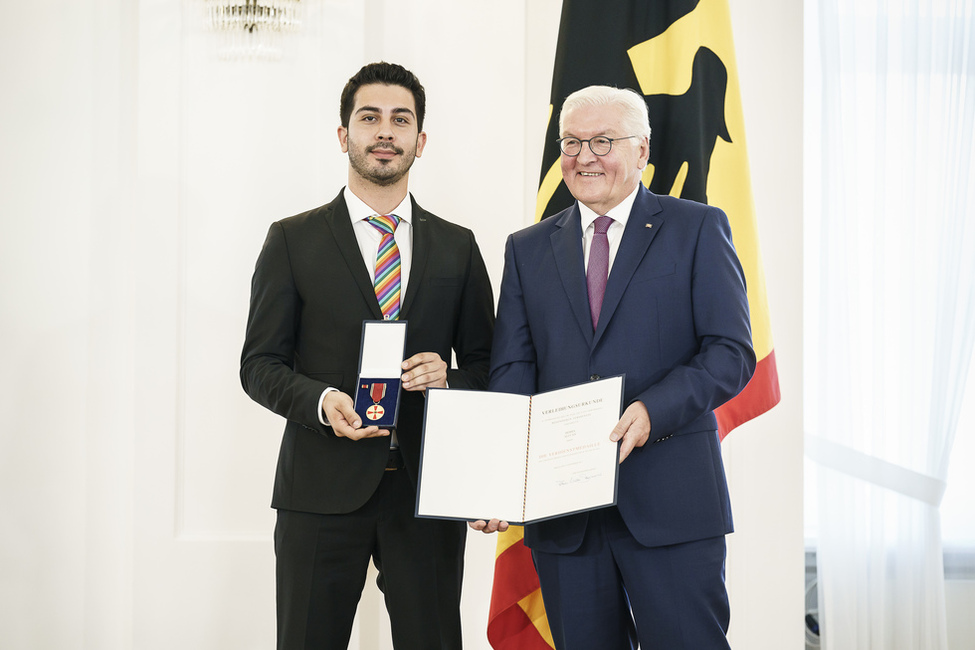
(345, 491)
(628, 282)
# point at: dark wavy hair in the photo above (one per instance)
(390, 74)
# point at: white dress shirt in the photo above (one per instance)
(369, 237)
(619, 215)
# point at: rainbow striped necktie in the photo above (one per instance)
(387, 282)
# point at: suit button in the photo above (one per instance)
(593, 377)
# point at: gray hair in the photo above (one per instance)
(634, 116)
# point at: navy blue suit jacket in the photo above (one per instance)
(674, 320)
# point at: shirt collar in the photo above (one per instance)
(619, 214)
(359, 211)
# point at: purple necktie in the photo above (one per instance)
(598, 269)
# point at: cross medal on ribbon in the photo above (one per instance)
(376, 392)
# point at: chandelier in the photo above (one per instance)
(252, 29)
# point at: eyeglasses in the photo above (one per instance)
(600, 145)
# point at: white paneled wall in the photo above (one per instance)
(764, 457)
(140, 174)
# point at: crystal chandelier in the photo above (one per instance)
(252, 29)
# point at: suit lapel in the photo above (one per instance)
(421, 252)
(641, 227)
(567, 247)
(339, 223)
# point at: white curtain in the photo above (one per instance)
(890, 304)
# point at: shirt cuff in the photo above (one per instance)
(321, 404)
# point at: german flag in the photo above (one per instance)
(680, 55)
(516, 618)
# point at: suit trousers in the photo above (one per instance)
(322, 562)
(613, 591)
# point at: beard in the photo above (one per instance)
(381, 172)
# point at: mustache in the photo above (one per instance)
(387, 147)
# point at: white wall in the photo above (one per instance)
(764, 457)
(45, 271)
(140, 174)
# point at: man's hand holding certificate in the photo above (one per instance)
(519, 458)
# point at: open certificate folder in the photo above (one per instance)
(519, 458)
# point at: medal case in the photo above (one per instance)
(380, 357)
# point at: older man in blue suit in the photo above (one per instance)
(628, 282)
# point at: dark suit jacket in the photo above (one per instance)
(674, 320)
(310, 293)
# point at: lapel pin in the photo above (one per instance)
(649, 225)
